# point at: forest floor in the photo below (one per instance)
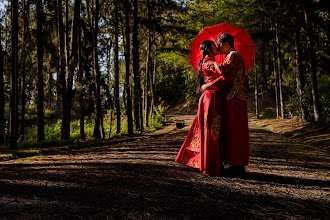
(137, 178)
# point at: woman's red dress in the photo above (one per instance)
(202, 148)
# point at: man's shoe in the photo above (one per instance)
(236, 171)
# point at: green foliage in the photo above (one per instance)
(174, 78)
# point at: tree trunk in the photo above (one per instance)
(256, 92)
(41, 123)
(98, 111)
(116, 63)
(61, 61)
(127, 60)
(312, 65)
(80, 86)
(263, 71)
(71, 61)
(152, 82)
(275, 81)
(23, 78)
(50, 87)
(13, 118)
(146, 84)
(278, 47)
(136, 71)
(300, 79)
(148, 68)
(65, 101)
(2, 100)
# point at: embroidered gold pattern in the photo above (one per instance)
(193, 145)
(211, 71)
(216, 127)
(238, 86)
(227, 61)
(190, 162)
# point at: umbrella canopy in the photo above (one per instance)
(243, 43)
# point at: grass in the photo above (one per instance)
(307, 132)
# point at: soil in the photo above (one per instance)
(137, 178)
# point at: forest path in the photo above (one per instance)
(139, 179)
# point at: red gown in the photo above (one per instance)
(202, 148)
(236, 131)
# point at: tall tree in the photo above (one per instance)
(256, 92)
(61, 61)
(300, 79)
(26, 7)
(275, 80)
(312, 63)
(40, 54)
(2, 101)
(71, 62)
(80, 85)
(13, 118)
(127, 61)
(98, 111)
(279, 69)
(117, 104)
(148, 68)
(152, 83)
(263, 71)
(136, 70)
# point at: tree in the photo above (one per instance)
(127, 60)
(71, 62)
(41, 129)
(256, 92)
(312, 63)
(98, 112)
(148, 68)
(61, 64)
(275, 81)
(300, 79)
(116, 65)
(279, 69)
(26, 8)
(13, 118)
(2, 101)
(152, 82)
(80, 85)
(136, 70)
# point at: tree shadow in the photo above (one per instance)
(124, 190)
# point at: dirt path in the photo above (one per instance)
(140, 180)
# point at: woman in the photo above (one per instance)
(202, 147)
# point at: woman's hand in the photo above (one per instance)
(205, 87)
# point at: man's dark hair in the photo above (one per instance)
(225, 37)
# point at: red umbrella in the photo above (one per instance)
(243, 43)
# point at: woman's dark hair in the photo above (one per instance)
(205, 45)
(225, 37)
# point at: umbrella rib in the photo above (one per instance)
(246, 61)
(238, 32)
(209, 33)
(195, 58)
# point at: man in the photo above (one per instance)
(236, 132)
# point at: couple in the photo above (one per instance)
(219, 134)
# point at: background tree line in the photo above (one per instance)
(62, 63)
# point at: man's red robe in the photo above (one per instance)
(236, 132)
